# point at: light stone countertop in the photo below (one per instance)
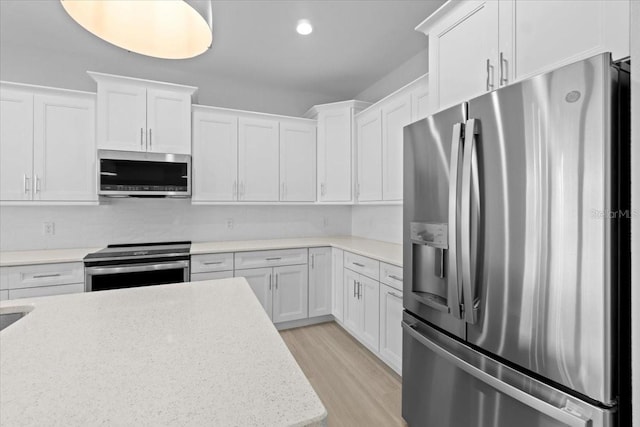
(188, 354)
(382, 251)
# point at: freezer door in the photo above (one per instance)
(432, 162)
(446, 383)
(536, 201)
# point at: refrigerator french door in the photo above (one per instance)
(514, 256)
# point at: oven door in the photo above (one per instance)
(101, 278)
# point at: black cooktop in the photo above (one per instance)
(140, 251)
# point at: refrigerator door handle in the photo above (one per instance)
(468, 276)
(454, 223)
(562, 415)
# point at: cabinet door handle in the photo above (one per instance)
(141, 138)
(37, 184)
(241, 192)
(312, 261)
(43, 276)
(150, 140)
(358, 264)
(358, 191)
(359, 290)
(393, 294)
(489, 75)
(274, 258)
(323, 189)
(354, 289)
(234, 191)
(282, 196)
(277, 281)
(504, 66)
(26, 183)
(213, 262)
(393, 276)
(270, 281)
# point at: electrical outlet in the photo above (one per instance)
(325, 221)
(49, 228)
(229, 223)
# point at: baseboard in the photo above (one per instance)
(304, 322)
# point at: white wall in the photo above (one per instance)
(635, 204)
(149, 220)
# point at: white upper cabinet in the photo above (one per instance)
(420, 102)
(258, 160)
(16, 144)
(215, 156)
(478, 46)
(297, 161)
(335, 149)
(369, 130)
(168, 121)
(143, 115)
(395, 116)
(47, 145)
(538, 36)
(64, 155)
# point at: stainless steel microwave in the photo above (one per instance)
(142, 174)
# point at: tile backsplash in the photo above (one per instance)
(151, 220)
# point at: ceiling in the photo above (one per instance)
(354, 43)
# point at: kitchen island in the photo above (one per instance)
(197, 354)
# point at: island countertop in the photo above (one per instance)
(202, 353)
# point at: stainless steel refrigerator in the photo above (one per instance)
(516, 255)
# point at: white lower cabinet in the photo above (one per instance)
(212, 275)
(361, 308)
(320, 276)
(282, 291)
(46, 291)
(337, 288)
(30, 281)
(390, 329)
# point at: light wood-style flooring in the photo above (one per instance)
(356, 388)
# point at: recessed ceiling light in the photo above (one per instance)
(304, 27)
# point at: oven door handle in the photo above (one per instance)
(135, 268)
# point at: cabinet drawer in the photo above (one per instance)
(30, 276)
(363, 265)
(214, 275)
(4, 295)
(391, 275)
(45, 291)
(211, 262)
(270, 258)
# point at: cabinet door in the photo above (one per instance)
(390, 329)
(334, 155)
(420, 106)
(168, 121)
(395, 116)
(369, 157)
(122, 117)
(16, 144)
(337, 286)
(46, 291)
(297, 162)
(212, 275)
(370, 302)
(260, 280)
(258, 160)
(320, 275)
(463, 52)
(215, 156)
(352, 308)
(539, 36)
(64, 158)
(290, 293)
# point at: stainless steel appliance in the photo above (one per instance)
(133, 265)
(516, 255)
(143, 174)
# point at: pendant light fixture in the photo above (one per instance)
(170, 29)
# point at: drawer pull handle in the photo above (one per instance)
(358, 264)
(42, 276)
(393, 276)
(274, 258)
(395, 295)
(213, 262)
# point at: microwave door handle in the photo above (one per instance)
(468, 270)
(455, 284)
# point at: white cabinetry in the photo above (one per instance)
(29, 281)
(47, 144)
(258, 159)
(390, 329)
(261, 282)
(477, 46)
(142, 115)
(297, 161)
(211, 266)
(335, 149)
(369, 128)
(290, 293)
(337, 288)
(215, 156)
(396, 114)
(361, 308)
(320, 276)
